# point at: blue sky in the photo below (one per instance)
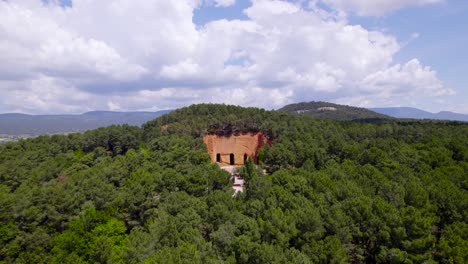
(75, 56)
(436, 34)
(441, 42)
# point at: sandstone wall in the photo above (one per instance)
(240, 145)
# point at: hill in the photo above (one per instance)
(334, 192)
(34, 125)
(409, 112)
(324, 110)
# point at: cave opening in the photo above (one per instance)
(245, 158)
(218, 157)
(231, 159)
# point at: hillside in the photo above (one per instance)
(33, 125)
(335, 192)
(409, 112)
(324, 110)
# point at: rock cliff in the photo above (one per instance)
(234, 149)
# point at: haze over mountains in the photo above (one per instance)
(34, 125)
(410, 112)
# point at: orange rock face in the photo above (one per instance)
(234, 150)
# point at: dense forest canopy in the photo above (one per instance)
(392, 192)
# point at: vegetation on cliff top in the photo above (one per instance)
(337, 192)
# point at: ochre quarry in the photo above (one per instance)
(234, 149)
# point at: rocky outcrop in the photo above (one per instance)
(234, 149)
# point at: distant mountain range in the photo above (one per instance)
(33, 125)
(409, 112)
(324, 110)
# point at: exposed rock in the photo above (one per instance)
(234, 149)
(327, 108)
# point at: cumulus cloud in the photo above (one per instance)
(42, 94)
(375, 7)
(33, 42)
(149, 55)
(398, 77)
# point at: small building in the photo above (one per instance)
(237, 184)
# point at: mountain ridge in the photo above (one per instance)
(415, 113)
(325, 110)
(15, 124)
(34, 125)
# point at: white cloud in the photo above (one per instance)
(410, 77)
(178, 97)
(41, 95)
(149, 55)
(31, 41)
(375, 7)
(183, 69)
(113, 106)
(224, 3)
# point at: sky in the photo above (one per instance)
(74, 56)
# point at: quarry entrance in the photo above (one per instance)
(234, 149)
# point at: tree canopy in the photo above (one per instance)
(387, 192)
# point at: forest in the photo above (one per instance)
(334, 192)
(326, 110)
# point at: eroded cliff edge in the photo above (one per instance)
(234, 149)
